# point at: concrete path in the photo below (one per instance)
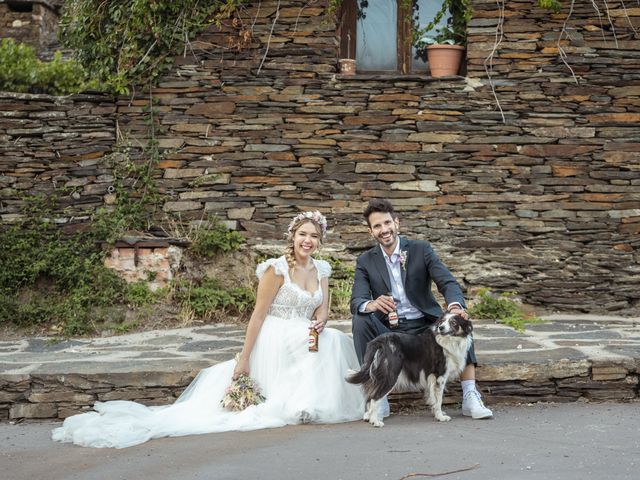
(563, 359)
(543, 442)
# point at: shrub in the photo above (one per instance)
(503, 308)
(23, 72)
(207, 299)
(139, 294)
(46, 278)
(339, 269)
(215, 237)
(19, 66)
(341, 297)
(130, 43)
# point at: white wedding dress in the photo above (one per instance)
(299, 386)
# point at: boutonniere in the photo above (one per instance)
(403, 259)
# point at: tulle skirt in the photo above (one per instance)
(299, 386)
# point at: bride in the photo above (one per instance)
(300, 386)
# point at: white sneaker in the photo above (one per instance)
(384, 410)
(473, 407)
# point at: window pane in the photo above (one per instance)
(376, 36)
(426, 10)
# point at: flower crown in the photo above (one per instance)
(316, 216)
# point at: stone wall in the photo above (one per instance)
(55, 144)
(58, 396)
(544, 203)
(35, 24)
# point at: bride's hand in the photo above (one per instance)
(319, 324)
(242, 367)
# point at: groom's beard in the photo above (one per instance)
(389, 241)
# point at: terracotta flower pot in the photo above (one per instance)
(444, 60)
(347, 66)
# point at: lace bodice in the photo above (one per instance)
(292, 301)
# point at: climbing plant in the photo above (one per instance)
(130, 42)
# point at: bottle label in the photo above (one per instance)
(313, 340)
(393, 319)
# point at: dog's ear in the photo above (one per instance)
(466, 325)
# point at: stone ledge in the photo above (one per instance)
(57, 396)
(565, 359)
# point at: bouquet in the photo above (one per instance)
(242, 393)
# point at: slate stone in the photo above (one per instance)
(629, 350)
(162, 340)
(221, 357)
(154, 354)
(221, 330)
(502, 332)
(208, 346)
(596, 335)
(40, 345)
(550, 354)
(501, 344)
(560, 327)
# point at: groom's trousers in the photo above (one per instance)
(366, 327)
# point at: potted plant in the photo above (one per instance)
(347, 66)
(444, 45)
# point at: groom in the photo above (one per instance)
(395, 276)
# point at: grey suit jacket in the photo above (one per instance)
(422, 267)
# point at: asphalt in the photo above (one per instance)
(566, 358)
(574, 441)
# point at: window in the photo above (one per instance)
(378, 33)
(20, 7)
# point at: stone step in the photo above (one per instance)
(567, 358)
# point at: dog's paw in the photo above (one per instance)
(376, 423)
(366, 416)
(441, 417)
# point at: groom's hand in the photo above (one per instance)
(458, 310)
(384, 303)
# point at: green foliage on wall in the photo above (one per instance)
(503, 308)
(48, 279)
(56, 280)
(207, 299)
(553, 5)
(135, 190)
(214, 238)
(130, 42)
(23, 72)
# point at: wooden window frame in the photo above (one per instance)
(347, 26)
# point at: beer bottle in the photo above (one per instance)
(392, 316)
(313, 338)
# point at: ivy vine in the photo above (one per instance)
(131, 42)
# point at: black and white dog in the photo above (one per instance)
(426, 360)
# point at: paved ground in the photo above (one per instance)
(562, 337)
(546, 441)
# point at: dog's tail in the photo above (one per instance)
(358, 377)
(375, 375)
